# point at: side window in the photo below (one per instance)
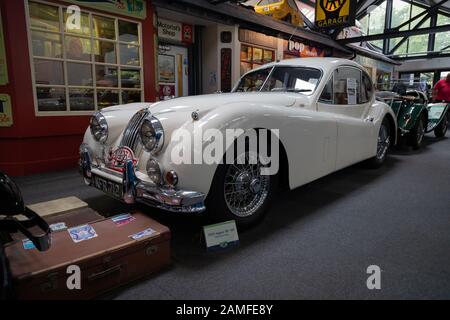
(366, 88)
(347, 86)
(327, 93)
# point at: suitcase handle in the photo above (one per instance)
(107, 272)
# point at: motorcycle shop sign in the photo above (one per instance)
(175, 31)
(335, 13)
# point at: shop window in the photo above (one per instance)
(253, 57)
(86, 68)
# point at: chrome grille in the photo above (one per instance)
(131, 135)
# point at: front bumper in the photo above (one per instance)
(135, 190)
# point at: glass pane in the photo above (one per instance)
(346, 87)
(71, 27)
(46, 44)
(49, 72)
(268, 56)
(129, 55)
(418, 44)
(376, 19)
(78, 48)
(81, 99)
(44, 16)
(107, 98)
(245, 67)
(128, 32)
(79, 74)
(106, 76)
(131, 78)
(400, 12)
(105, 52)
(415, 10)
(51, 99)
(246, 53)
(442, 41)
(257, 55)
(104, 28)
(131, 96)
(402, 49)
(442, 20)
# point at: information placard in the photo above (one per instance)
(221, 236)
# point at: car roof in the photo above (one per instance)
(324, 64)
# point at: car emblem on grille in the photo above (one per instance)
(118, 158)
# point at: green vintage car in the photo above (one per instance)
(415, 116)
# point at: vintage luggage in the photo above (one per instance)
(71, 219)
(111, 259)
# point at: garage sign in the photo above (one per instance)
(335, 13)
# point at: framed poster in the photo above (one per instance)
(3, 63)
(166, 68)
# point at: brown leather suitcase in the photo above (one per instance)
(71, 218)
(108, 261)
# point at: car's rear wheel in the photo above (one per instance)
(240, 191)
(417, 134)
(383, 144)
(442, 128)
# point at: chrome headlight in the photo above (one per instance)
(99, 127)
(152, 135)
(154, 171)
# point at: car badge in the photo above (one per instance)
(117, 159)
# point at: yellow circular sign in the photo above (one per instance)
(332, 5)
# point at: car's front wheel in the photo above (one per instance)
(240, 191)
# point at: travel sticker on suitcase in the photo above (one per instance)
(82, 233)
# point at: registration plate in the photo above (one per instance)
(111, 188)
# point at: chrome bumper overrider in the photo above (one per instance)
(135, 190)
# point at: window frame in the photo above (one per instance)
(255, 65)
(92, 62)
(331, 78)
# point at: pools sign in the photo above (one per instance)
(131, 8)
(335, 13)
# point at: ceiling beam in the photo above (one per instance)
(396, 34)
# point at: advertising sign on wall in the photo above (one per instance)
(6, 119)
(175, 31)
(298, 49)
(335, 13)
(131, 8)
(3, 63)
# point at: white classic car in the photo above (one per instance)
(321, 113)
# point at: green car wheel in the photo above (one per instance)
(442, 128)
(417, 134)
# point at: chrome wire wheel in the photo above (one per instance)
(245, 189)
(384, 141)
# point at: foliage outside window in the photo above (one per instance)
(374, 22)
(253, 57)
(401, 12)
(83, 69)
(442, 38)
